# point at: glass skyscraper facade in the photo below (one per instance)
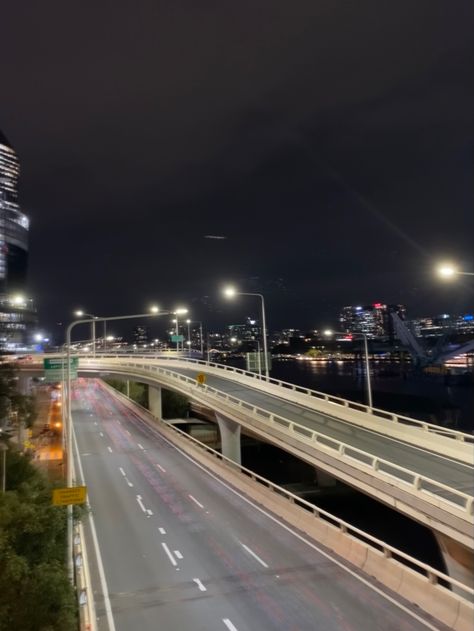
(16, 311)
(373, 320)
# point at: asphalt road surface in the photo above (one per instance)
(182, 551)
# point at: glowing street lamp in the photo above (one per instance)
(231, 292)
(448, 271)
(80, 314)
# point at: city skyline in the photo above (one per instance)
(325, 177)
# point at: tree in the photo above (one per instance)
(35, 592)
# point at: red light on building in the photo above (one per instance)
(378, 305)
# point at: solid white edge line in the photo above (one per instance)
(288, 529)
(168, 552)
(229, 624)
(103, 581)
(255, 556)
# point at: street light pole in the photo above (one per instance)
(367, 370)
(367, 364)
(4, 448)
(81, 313)
(177, 336)
(188, 322)
(230, 292)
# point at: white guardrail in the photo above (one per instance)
(390, 552)
(437, 493)
(260, 381)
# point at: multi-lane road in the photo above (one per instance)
(179, 549)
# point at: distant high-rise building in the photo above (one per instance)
(140, 335)
(16, 309)
(374, 320)
(245, 332)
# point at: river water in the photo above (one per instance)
(444, 400)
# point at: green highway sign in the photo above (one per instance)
(55, 368)
(177, 338)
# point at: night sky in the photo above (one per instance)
(330, 141)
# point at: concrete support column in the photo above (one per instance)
(154, 401)
(230, 438)
(24, 384)
(325, 480)
(459, 560)
(127, 388)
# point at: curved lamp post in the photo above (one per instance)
(230, 292)
(328, 333)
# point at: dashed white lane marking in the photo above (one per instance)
(128, 432)
(199, 584)
(168, 552)
(140, 503)
(101, 434)
(128, 482)
(110, 449)
(161, 468)
(119, 422)
(140, 446)
(229, 624)
(195, 501)
(95, 422)
(178, 554)
(162, 531)
(122, 471)
(149, 512)
(255, 556)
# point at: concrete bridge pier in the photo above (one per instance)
(154, 401)
(459, 560)
(127, 388)
(24, 384)
(230, 438)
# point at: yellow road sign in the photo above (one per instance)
(201, 378)
(69, 495)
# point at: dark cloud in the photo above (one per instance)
(331, 142)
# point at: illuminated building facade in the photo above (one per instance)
(16, 312)
(374, 320)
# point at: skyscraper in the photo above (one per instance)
(16, 310)
(373, 320)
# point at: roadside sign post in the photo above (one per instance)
(69, 495)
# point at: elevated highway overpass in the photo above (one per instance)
(419, 469)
